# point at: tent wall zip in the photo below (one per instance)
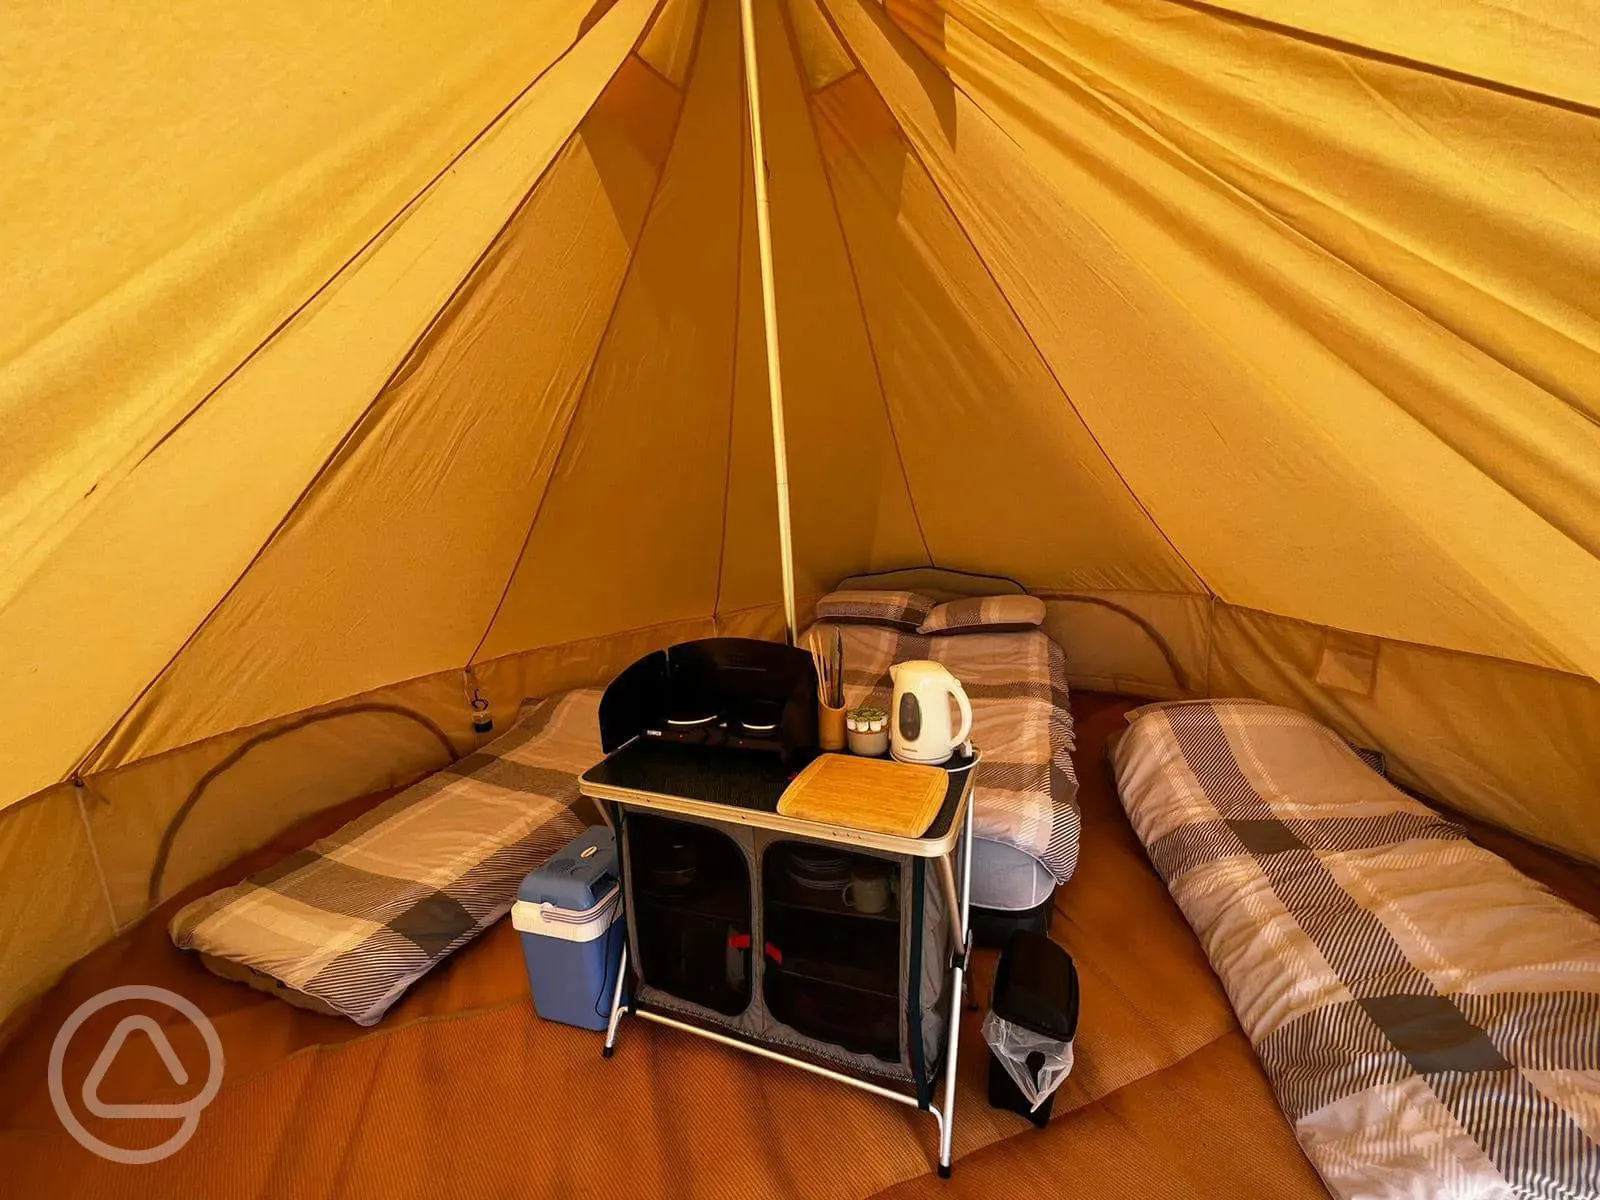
(79, 789)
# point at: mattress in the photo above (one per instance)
(1006, 879)
(1025, 792)
(1428, 1016)
(346, 925)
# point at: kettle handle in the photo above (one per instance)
(965, 706)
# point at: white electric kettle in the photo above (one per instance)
(919, 723)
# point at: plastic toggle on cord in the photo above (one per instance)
(1036, 1062)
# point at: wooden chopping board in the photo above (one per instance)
(875, 794)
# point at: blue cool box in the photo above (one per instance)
(568, 913)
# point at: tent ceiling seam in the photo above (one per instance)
(955, 216)
(839, 82)
(1186, 162)
(376, 237)
(733, 360)
(88, 760)
(832, 83)
(1126, 112)
(855, 279)
(652, 68)
(1356, 50)
(605, 333)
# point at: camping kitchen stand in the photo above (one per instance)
(706, 963)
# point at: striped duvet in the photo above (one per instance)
(348, 924)
(1429, 1017)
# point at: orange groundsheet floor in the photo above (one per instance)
(463, 1091)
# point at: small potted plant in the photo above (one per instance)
(868, 730)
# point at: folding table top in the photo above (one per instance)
(743, 787)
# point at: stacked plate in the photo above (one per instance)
(819, 870)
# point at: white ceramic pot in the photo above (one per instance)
(869, 744)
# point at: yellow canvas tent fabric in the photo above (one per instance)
(372, 356)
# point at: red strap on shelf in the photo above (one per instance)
(738, 941)
(775, 954)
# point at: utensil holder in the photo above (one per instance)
(830, 726)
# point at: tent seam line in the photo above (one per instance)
(787, 18)
(1211, 641)
(79, 787)
(1121, 106)
(1183, 160)
(733, 363)
(651, 67)
(955, 216)
(605, 332)
(344, 703)
(376, 237)
(350, 432)
(1088, 1108)
(1373, 53)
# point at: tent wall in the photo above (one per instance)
(1296, 357)
(144, 557)
(669, 461)
(1502, 741)
(1261, 340)
(435, 490)
(961, 376)
(53, 907)
(152, 243)
(1515, 745)
(73, 880)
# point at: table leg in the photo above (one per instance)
(952, 896)
(616, 1003)
(964, 906)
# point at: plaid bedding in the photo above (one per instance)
(902, 610)
(1026, 790)
(351, 922)
(1429, 1017)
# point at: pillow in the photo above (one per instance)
(1376, 759)
(1144, 710)
(985, 614)
(903, 610)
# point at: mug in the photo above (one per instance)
(867, 893)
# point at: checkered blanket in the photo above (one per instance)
(348, 924)
(1026, 791)
(1429, 1017)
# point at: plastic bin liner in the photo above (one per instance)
(1015, 1046)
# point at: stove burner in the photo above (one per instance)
(689, 722)
(758, 716)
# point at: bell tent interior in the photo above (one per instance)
(357, 361)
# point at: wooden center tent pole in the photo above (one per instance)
(769, 313)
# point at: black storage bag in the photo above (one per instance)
(1035, 987)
